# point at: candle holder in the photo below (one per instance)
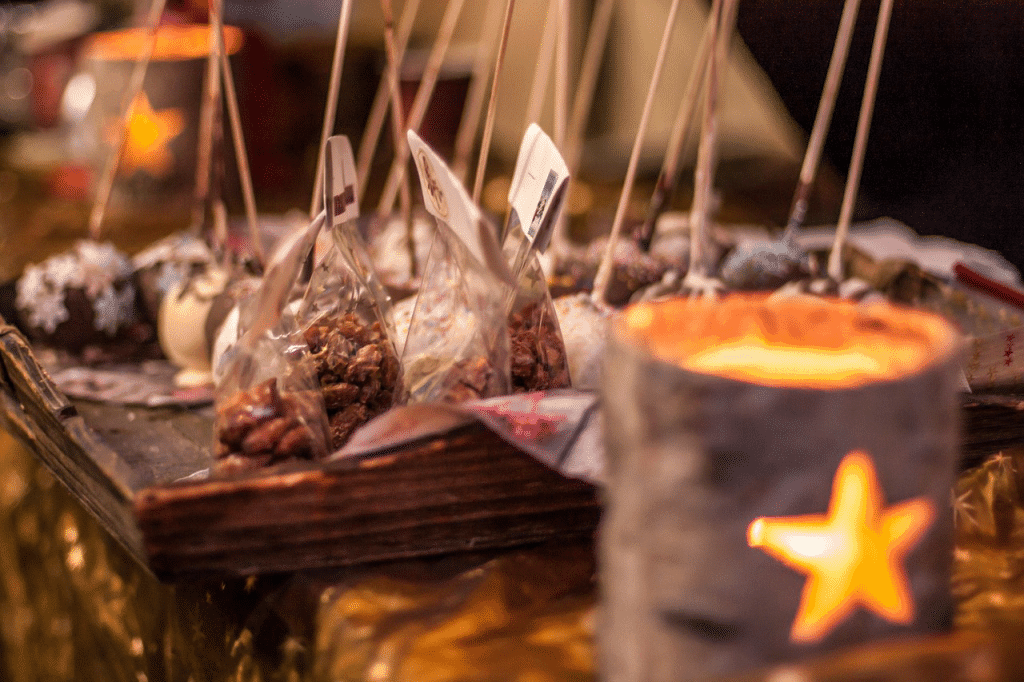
(779, 476)
(161, 139)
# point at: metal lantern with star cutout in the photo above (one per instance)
(158, 160)
(779, 482)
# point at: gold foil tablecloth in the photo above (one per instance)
(75, 606)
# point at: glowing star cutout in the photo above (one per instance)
(853, 555)
(147, 137)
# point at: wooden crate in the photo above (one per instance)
(130, 467)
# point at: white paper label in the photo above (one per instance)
(995, 360)
(448, 201)
(538, 186)
(340, 188)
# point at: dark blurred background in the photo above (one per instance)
(945, 154)
(946, 149)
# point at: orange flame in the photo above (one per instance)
(148, 136)
(853, 555)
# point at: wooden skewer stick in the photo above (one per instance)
(822, 119)
(209, 115)
(562, 75)
(331, 109)
(398, 129)
(542, 70)
(238, 137)
(704, 180)
(593, 51)
(604, 270)
(218, 215)
(668, 178)
(379, 108)
(470, 123)
(485, 145)
(860, 142)
(421, 101)
(135, 81)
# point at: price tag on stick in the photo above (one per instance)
(536, 195)
(340, 182)
(538, 187)
(448, 201)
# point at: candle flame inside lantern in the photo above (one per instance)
(148, 136)
(853, 555)
(810, 343)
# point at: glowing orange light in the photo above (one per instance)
(147, 138)
(819, 344)
(173, 43)
(751, 359)
(853, 555)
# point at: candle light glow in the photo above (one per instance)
(173, 43)
(852, 556)
(794, 343)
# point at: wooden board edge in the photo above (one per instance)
(542, 505)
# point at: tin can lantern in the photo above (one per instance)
(160, 151)
(779, 476)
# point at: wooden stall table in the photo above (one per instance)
(81, 602)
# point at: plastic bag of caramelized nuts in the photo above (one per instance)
(268, 403)
(321, 358)
(457, 348)
(538, 359)
(345, 315)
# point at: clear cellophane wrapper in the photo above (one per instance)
(269, 407)
(537, 360)
(346, 320)
(458, 343)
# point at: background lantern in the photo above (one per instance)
(160, 152)
(779, 482)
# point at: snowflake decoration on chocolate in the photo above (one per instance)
(113, 308)
(40, 300)
(61, 271)
(99, 266)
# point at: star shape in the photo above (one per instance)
(852, 556)
(147, 137)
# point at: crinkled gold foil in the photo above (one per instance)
(525, 616)
(75, 606)
(988, 572)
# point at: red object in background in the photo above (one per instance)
(72, 182)
(997, 290)
(258, 91)
(51, 70)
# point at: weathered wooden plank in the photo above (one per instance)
(52, 412)
(468, 491)
(160, 445)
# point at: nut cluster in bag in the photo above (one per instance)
(345, 315)
(358, 370)
(269, 407)
(268, 423)
(538, 358)
(457, 348)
